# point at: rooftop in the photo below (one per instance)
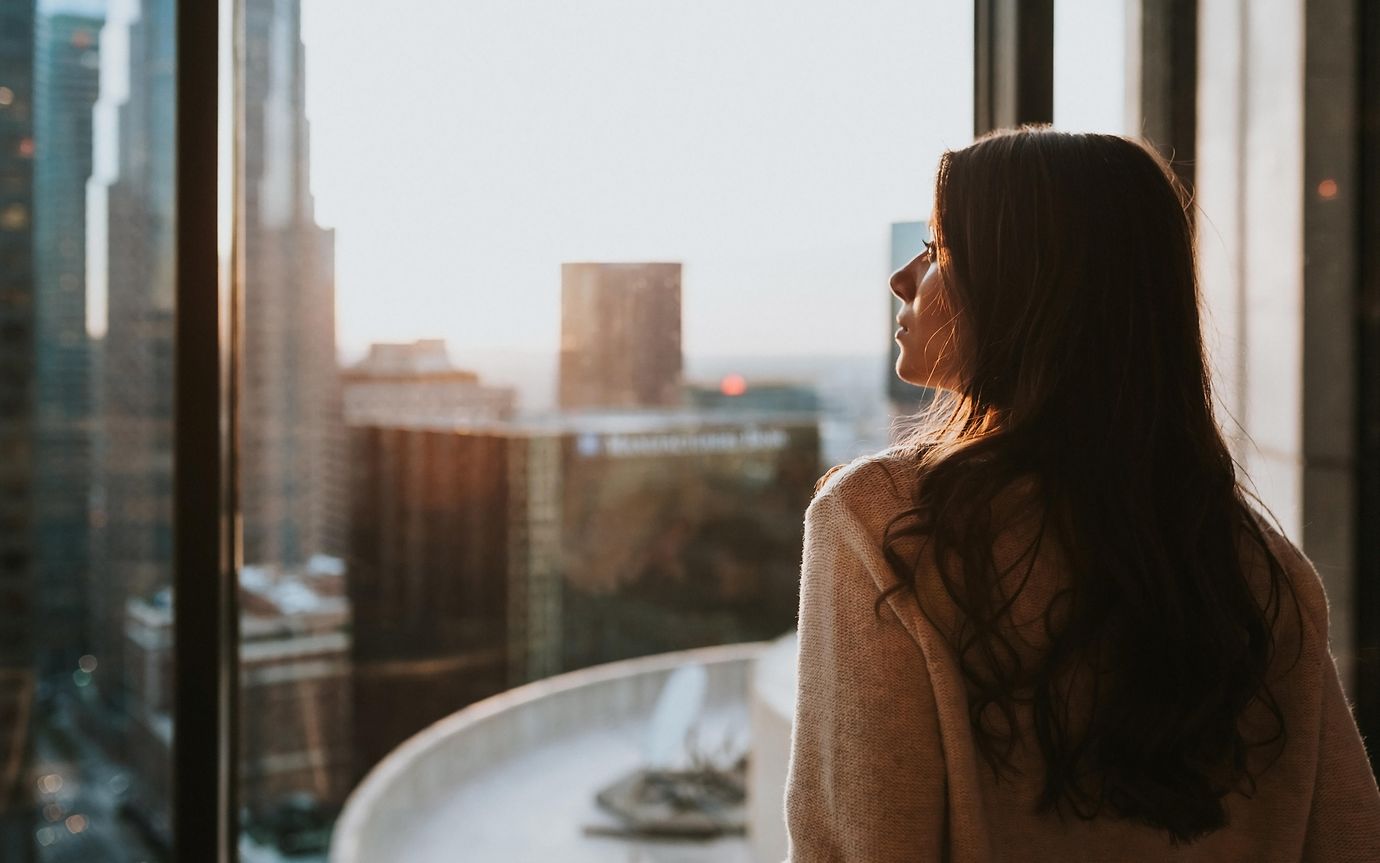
(425, 358)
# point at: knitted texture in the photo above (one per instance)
(884, 765)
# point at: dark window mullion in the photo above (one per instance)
(1169, 82)
(1367, 587)
(204, 649)
(1013, 63)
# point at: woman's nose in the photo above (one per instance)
(903, 283)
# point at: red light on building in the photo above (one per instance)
(733, 385)
(1327, 189)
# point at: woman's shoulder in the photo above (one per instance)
(857, 504)
(1306, 583)
(877, 483)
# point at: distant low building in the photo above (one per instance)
(295, 734)
(736, 393)
(485, 558)
(416, 384)
(295, 728)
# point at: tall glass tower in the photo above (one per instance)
(66, 80)
(133, 548)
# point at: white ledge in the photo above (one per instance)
(405, 794)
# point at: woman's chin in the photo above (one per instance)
(909, 375)
(928, 381)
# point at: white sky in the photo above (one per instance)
(463, 149)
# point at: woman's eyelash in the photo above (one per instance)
(930, 249)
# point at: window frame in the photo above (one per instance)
(205, 634)
(1013, 63)
(1367, 431)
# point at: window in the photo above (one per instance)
(1090, 66)
(554, 315)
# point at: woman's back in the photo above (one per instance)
(1048, 625)
(912, 784)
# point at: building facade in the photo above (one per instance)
(290, 416)
(487, 558)
(66, 83)
(295, 727)
(132, 500)
(620, 336)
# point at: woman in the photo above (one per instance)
(1049, 626)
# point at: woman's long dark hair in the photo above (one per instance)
(1069, 262)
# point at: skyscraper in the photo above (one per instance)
(132, 550)
(620, 335)
(65, 87)
(291, 426)
(16, 419)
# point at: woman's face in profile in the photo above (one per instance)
(928, 332)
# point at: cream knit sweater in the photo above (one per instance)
(883, 761)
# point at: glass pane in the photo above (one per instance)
(86, 313)
(1090, 79)
(554, 314)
